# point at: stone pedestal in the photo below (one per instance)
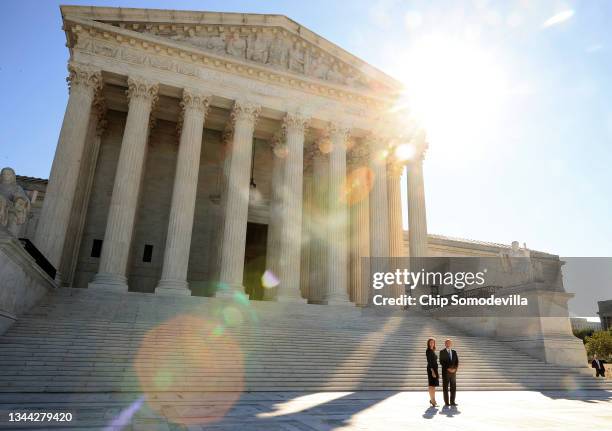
(23, 283)
(178, 242)
(543, 332)
(289, 257)
(236, 202)
(124, 201)
(63, 179)
(548, 335)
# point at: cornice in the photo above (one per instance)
(80, 30)
(151, 17)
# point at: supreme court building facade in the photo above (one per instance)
(208, 153)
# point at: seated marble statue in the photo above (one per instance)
(14, 203)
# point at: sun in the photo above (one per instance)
(454, 88)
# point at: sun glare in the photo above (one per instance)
(453, 88)
(558, 18)
(405, 151)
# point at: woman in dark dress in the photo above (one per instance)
(433, 377)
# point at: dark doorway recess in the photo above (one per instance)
(255, 259)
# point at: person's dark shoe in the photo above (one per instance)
(454, 404)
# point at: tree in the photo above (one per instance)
(583, 333)
(600, 344)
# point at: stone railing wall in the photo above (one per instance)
(22, 284)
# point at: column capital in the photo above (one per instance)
(295, 122)
(340, 131)
(377, 141)
(195, 100)
(82, 76)
(226, 136)
(419, 140)
(310, 152)
(359, 155)
(321, 147)
(192, 100)
(245, 110)
(140, 88)
(395, 168)
(278, 144)
(99, 108)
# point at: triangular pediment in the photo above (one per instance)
(271, 41)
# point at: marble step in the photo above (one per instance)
(89, 343)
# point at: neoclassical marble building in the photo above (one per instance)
(215, 153)
(201, 150)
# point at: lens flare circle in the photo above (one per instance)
(269, 279)
(189, 353)
(357, 185)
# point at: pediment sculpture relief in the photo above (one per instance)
(271, 47)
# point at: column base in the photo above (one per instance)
(290, 299)
(59, 279)
(173, 288)
(108, 283)
(229, 291)
(338, 300)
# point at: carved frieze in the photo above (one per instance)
(270, 46)
(171, 59)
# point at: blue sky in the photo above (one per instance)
(518, 97)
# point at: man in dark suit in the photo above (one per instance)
(600, 368)
(449, 360)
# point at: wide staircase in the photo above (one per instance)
(82, 341)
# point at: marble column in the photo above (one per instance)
(226, 145)
(379, 220)
(279, 155)
(396, 231)
(318, 248)
(84, 83)
(379, 211)
(72, 245)
(307, 225)
(361, 177)
(394, 198)
(417, 219)
(236, 202)
(289, 257)
(112, 272)
(337, 252)
(178, 241)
